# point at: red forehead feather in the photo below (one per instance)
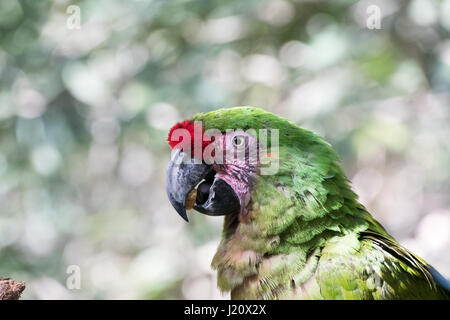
(189, 126)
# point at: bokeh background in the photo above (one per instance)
(84, 115)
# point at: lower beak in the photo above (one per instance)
(195, 186)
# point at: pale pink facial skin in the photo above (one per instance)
(240, 164)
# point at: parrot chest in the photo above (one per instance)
(249, 275)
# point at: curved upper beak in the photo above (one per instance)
(213, 196)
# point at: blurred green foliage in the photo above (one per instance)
(84, 115)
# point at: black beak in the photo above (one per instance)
(213, 196)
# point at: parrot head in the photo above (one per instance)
(218, 157)
(287, 203)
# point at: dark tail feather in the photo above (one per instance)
(440, 280)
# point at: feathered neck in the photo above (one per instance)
(290, 216)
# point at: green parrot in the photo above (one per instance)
(293, 228)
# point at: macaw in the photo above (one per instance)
(293, 227)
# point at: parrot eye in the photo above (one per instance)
(238, 141)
